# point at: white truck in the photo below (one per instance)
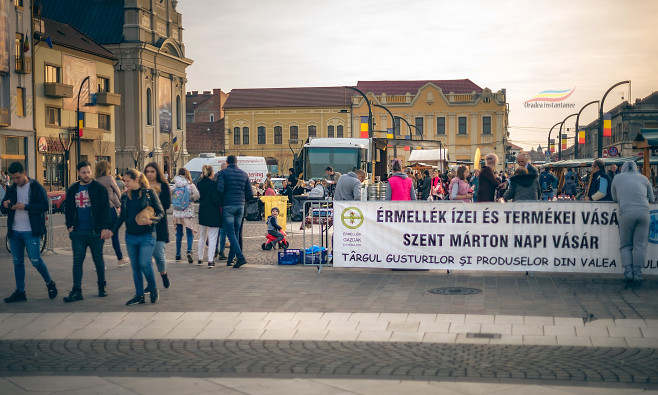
(254, 166)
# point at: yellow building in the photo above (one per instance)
(63, 58)
(275, 122)
(458, 113)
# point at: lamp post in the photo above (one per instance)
(66, 141)
(549, 136)
(395, 147)
(372, 144)
(559, 153)
(80, 120)
(600, 134)
(575, 146)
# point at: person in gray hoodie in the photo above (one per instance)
(348, 186)
(633, 192)
(523, 186)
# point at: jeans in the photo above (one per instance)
(115, 237)
(179, 238)
(279, 236)
(140, 251)
(633, 240)
(547, 195)
(232, 223)
(159, 256)
(19, 243)
(222, 240)
(80, 240)
(210, 234)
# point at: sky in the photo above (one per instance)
(525, 47)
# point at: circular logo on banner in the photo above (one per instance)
(613, 151)
(352, 217)
(653, 227)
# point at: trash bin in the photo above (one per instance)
(280, 202)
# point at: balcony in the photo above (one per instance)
(5, 119)
(57, 90)
(23, 64)
(108, 99)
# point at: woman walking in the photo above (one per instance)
(183, 193)
(158, 183)
(102, 175)
(400, 187)
(210, 216)
(140, 210)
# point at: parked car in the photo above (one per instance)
(58, 198)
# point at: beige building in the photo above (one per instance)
(457, 113)
(275, 123)
(60, 75)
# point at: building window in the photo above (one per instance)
(53, 74)
(294, 133)
(236, 136)
(339, 131)
(278, 135)
(486, 125)
(261, 135)
(104, 122)
(330, 131)
(486, 99)
(212, 117)
(179, 114)
(419, 126)
(149, 109)
(462, 125)
(20, 102)
(441, 125)
(312, 131)
(397, 126)
(189, 117)
(53, 116)
(12, 149)
(245, 135)
(103, 84)
(18, 3)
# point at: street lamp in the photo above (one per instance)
(372, 145)
(411, 135)
(575, 146)
(549, 136)
(80, 120)
(559, 152)
(395, 147)
(600, 136)
(65, 140)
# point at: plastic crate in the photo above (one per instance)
(318, 258)
(290, 257)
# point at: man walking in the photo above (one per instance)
(349, 187)
(88, 222)
(26, 204)
(546, 181)
(234, 191)
(634, 193)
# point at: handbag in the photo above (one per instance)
(144, 216)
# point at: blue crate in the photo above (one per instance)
(290, 257)
(318, 258)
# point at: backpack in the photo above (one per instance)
(180, 198)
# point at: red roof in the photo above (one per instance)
(289, 97)
(404, 87)
(514, 146)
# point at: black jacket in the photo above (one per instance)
(209, 204)
(287, 191)
(147, 198)
(594, 187)
(162, 227)
(36, 208)
(233, 186)
(426, 187)
(100, 206)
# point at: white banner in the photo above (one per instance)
(567, 237)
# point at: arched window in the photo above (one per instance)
(330, 131)
(179, 114)
(261, 135)
(278, 135)
(294, 133)
(312, 131)
(236, 136)
(339, 131)
(245, 135)
(149, 107)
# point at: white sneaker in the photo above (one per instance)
(123, 262)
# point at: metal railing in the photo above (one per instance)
(317, 235)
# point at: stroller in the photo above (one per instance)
(283, 244)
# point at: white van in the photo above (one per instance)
(254, 166)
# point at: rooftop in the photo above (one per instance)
(289, 97)
(67, 36)
(101, 20)
(404, 87)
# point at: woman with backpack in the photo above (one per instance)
(210, 216)
(183, 193)
(159, 184)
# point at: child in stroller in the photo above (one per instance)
(274, 234)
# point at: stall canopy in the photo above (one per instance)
(429, 156)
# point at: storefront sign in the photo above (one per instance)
(566, 237)
(43, 145)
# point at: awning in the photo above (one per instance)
(429, 155)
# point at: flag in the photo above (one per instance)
(81, 118)
(581, 135)
(607, 125)
(364, 127)
(174, 143)
(389, 134)
(406, 148)
(552, 145)
(49, 41)
(26, 43)
(564, 141)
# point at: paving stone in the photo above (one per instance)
(508, 319)
(625, 331)
(595, 331)
(634, 323)
(407, 336)
(608, 342)
(434, 337)
(574, 341)
(502, 329)
(464, 328)
(478, 319)
(403, 326)
(530, 329)
(539, 340)
(559, 330)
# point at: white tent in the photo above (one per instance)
(433, 156)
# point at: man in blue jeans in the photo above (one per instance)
(234, 189)
(88, 222)
(26, 204)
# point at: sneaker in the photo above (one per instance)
(211, 265)
(165, 280)
(135, 300)
(17, 296)
(189, 257)
(123, 262)
(178, 258)
(74, 295)
(52, 289)
(154, 295)
(198, 262)
(239, 263)
(222, 257)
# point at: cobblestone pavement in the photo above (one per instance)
(329, 359)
